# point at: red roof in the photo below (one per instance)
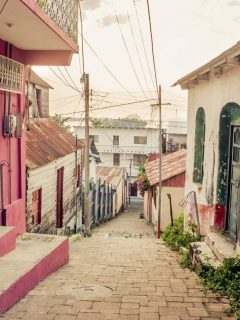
(46, 141)
(173, 164)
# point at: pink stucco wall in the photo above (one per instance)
(12, 152)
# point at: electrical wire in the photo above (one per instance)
(105, 66)
(138, 54)
(144, 47)
(74, 84)
(128, 52)
(152, 45)
(66, 84)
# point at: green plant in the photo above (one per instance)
(142, 180)
(225, 280)
(176, 236)
(185, 261)
(62, 122)
(42, 4)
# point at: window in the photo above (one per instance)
(39, 101)
(116, 140)
(95, 138)
(140, 140)
(78, 175)
(36, 207)
(116, 159)
(139, 159)
(199, 146)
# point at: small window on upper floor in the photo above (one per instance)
(140, 140)
(199, 149)
(116, 140)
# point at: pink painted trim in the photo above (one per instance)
(56, 259)
(8, 242)
(46, 19)
(47, 57)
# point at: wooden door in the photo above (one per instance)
(234, 186)
(59, 218)
(36, 207)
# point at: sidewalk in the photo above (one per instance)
(122, 272)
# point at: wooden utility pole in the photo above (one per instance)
(86, 159)
(160, 164)
(160, 143)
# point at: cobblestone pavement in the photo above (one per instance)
(122, 272)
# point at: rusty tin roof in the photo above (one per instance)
(111, 175)
(47, 141)
(172, 165)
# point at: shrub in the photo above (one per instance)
(176, 237)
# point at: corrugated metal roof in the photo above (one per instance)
(172, 165)
(34, 78)
(111, 175)
(47, 141)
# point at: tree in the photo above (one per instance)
(62, 122)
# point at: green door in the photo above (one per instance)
(234, 186)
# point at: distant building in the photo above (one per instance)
(124, 143)
(176, 135)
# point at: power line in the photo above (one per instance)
(105, 66)
(144, 47)
(128, 53)
(70, 78)
(138, 54)
(114, 106)
(65, 83)
(153, 54)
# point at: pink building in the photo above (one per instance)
(32, 32)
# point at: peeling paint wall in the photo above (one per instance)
(45, 177)
(212, 95)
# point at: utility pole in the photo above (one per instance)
(160, 142)
(86, 159)
(160, 163)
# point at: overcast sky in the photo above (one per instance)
(187, 34)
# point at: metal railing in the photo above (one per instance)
(64, 13)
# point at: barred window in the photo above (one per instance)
(11, 75)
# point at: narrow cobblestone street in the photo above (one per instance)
(121, 272)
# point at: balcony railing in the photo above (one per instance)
(11, 75)
(64, 13)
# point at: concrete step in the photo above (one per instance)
(201, 255)
(35, 257)
(7, 240)
(220, 246)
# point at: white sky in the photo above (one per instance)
(187, 34)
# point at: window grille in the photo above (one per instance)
(11, 75)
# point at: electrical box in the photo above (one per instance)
(13, 125)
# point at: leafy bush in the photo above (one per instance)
(225, 279)
(176, 237)
(142, 180)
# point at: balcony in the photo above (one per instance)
(64, 13)
(46, 30)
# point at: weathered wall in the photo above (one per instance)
(211, 95)
(33, 110)
(12, 153)
(46, 178)
(177, 195)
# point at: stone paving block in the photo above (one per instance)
(149, 316)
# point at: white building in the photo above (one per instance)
(213, 154)
(176, 135)
(123, 142)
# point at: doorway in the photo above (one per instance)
(59, 209)
(233, 199)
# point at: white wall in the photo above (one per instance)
(45, 177)
(212, 95)
(126, 147)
